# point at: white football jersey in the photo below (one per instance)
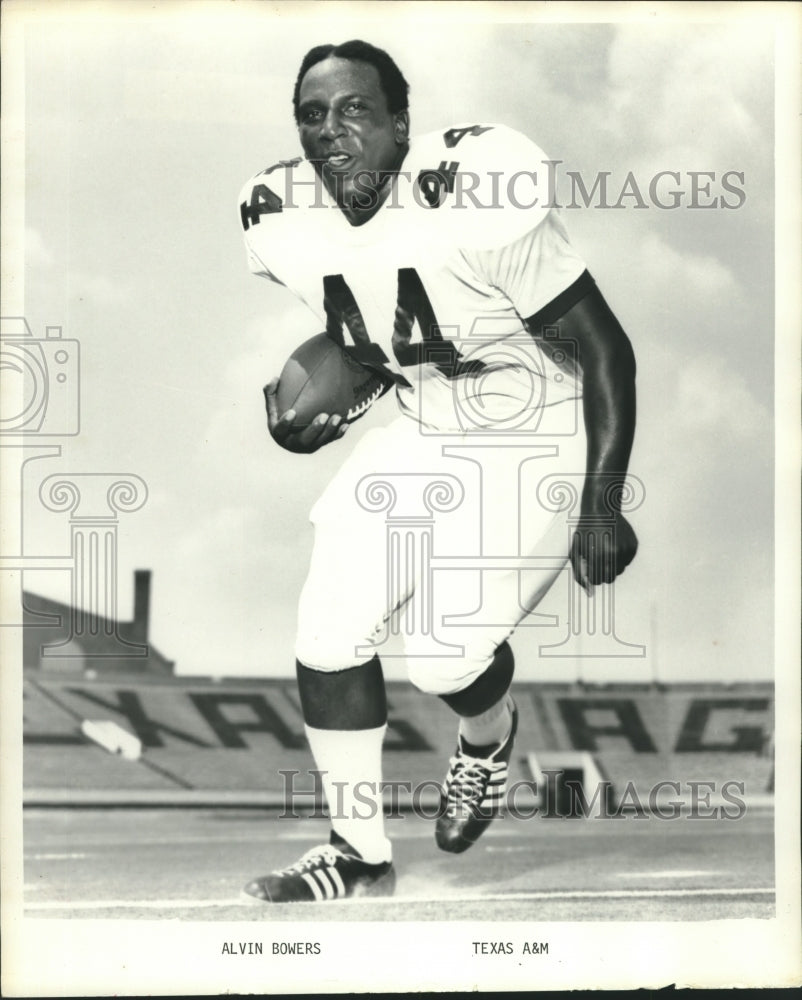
(435, 285)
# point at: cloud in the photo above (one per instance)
(661, 285)
(81, 284)
(714, 400)
(670, 83)
(696, 274)
(198, 96)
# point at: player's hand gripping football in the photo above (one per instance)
(322, 430)
(601, 552)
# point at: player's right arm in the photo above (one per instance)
(321, 431)
(261, 211)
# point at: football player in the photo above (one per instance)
(442, 262)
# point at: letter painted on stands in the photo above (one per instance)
(229, 714)
(264, 719)
(747, 739)
(583, 732)
(147, 729)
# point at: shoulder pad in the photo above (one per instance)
(285, 184)
(491, 182)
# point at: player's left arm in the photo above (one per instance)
(604, 543)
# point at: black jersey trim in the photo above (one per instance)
(560, 305)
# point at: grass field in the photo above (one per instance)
(190, 864)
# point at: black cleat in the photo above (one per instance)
(328, 871)
(472, 795)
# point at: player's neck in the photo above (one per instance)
(361, 207)
(358, 210)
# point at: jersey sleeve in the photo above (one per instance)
(271, 218)
(256, 265)
(249, 218)
(532, 270)
(503, 218)
(501, 188)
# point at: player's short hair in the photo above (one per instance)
(395, 87)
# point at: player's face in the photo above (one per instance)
(349, 134)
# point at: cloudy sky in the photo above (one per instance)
(141, 128)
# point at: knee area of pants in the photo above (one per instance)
(330, 654)
(445, 674)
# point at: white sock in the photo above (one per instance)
(491, 727)
(351, 762)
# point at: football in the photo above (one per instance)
(321, 377)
